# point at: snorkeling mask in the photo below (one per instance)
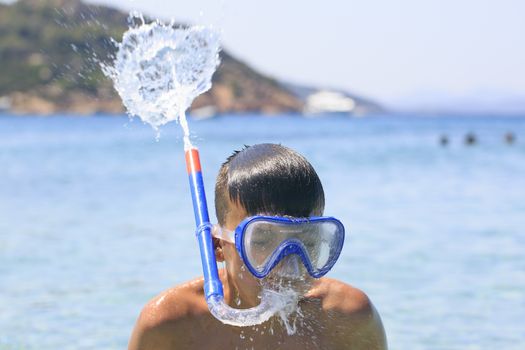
(264, 241)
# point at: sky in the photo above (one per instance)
(399, 52)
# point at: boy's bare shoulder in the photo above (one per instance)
(176, 303)
(167, 314)
(352, 317)
(339, 296)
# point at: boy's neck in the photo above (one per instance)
(238, 295)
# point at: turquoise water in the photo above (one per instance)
(95, 219)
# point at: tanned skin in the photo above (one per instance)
(334, 314)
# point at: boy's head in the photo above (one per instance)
(268, 179)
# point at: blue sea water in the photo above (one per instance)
(95, 219)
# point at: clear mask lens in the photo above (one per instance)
(320, 240)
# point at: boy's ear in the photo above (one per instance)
(219, 255)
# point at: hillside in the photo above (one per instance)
(49, 62)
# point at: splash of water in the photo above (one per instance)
(159, 70)
(290, 312)
(288, 280)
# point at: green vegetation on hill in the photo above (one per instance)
(49, 61)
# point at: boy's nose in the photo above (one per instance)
(290, 266)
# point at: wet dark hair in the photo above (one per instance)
(269, 179)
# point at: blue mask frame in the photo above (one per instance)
(289, 246)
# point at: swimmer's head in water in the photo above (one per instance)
(271, 190)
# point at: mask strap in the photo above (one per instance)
(222, 233)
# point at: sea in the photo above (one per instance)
(96, 219)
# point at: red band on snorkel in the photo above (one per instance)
(193, 163)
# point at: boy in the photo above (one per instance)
(272, 180)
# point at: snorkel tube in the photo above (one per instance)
(271, 301)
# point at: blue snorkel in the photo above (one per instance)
(212, 283)
(271, 302)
